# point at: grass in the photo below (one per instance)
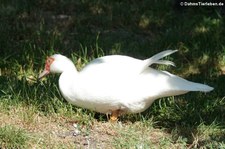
(33, 114)
(11, 137)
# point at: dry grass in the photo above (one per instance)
(55, 131)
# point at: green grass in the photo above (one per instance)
(11, 137)
(83, 30)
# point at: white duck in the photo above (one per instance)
(118, 84)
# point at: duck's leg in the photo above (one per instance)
(107, 116)
(114, 115)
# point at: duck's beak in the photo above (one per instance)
(43, 74)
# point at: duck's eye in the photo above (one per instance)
(48, 61)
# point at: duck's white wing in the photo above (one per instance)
(125, 64)
(113, 63)
(122, 68)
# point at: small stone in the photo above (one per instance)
(75, 125)
(76, 132)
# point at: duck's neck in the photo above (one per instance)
(67, 80)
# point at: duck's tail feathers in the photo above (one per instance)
(191, 86)
(156, 59)
(177, 83)
(200, 87)
(165, 62)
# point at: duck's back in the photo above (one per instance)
(114, 64)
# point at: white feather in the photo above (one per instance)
(120, 82)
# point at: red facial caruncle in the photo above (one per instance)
(48, 63)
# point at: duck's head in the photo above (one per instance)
(56, 63)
